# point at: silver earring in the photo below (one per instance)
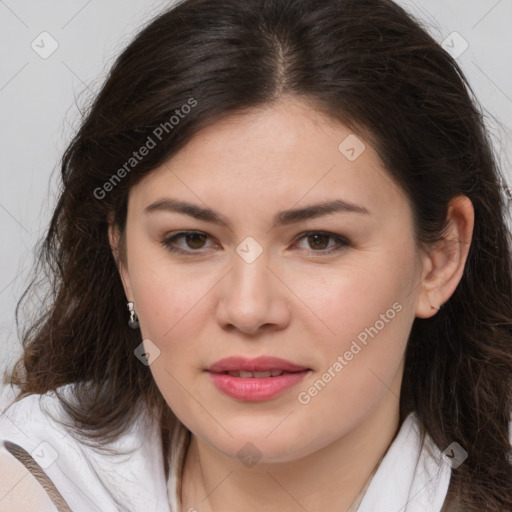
(133, 321)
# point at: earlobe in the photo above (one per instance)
(446, 262)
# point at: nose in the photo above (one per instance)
(252, 298)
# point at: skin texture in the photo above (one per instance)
(296, 301)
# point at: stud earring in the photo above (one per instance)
(133, 321)
(433, 307)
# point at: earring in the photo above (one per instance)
(433, 307)
(133, 321)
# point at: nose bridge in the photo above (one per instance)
(250, 297)
(250, 271)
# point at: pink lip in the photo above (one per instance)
(255, 389)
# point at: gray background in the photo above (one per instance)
(41, 98)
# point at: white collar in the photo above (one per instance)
(408, 478)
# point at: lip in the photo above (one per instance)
(262, 363)
(253, 389)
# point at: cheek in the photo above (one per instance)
(371, 321)
(366, 296)
(363, 316)
(167, 295)
(171, 314)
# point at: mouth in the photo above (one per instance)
(257, 379)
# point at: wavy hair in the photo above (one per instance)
(365, 63)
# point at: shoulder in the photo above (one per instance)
(35, 423)
(20, 491)
(31, 440)
(127, 474)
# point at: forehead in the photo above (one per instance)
(286, 153)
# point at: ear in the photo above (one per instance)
(444, 265)
(118, 251)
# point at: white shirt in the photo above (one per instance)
(408, 479)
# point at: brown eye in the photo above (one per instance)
(194, 241)
(318, 242)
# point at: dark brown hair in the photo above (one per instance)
(365, 63)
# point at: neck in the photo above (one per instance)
(332, 478)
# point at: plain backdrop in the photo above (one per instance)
(54, 56)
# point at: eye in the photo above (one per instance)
(318, 240)
(195, 240)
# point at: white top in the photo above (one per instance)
(408, 478)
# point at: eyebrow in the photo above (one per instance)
(283, 218)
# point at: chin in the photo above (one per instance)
(258, 445)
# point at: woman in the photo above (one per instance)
(281, 276)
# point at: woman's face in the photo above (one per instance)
(334, 291)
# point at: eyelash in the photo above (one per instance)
(344, 243)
